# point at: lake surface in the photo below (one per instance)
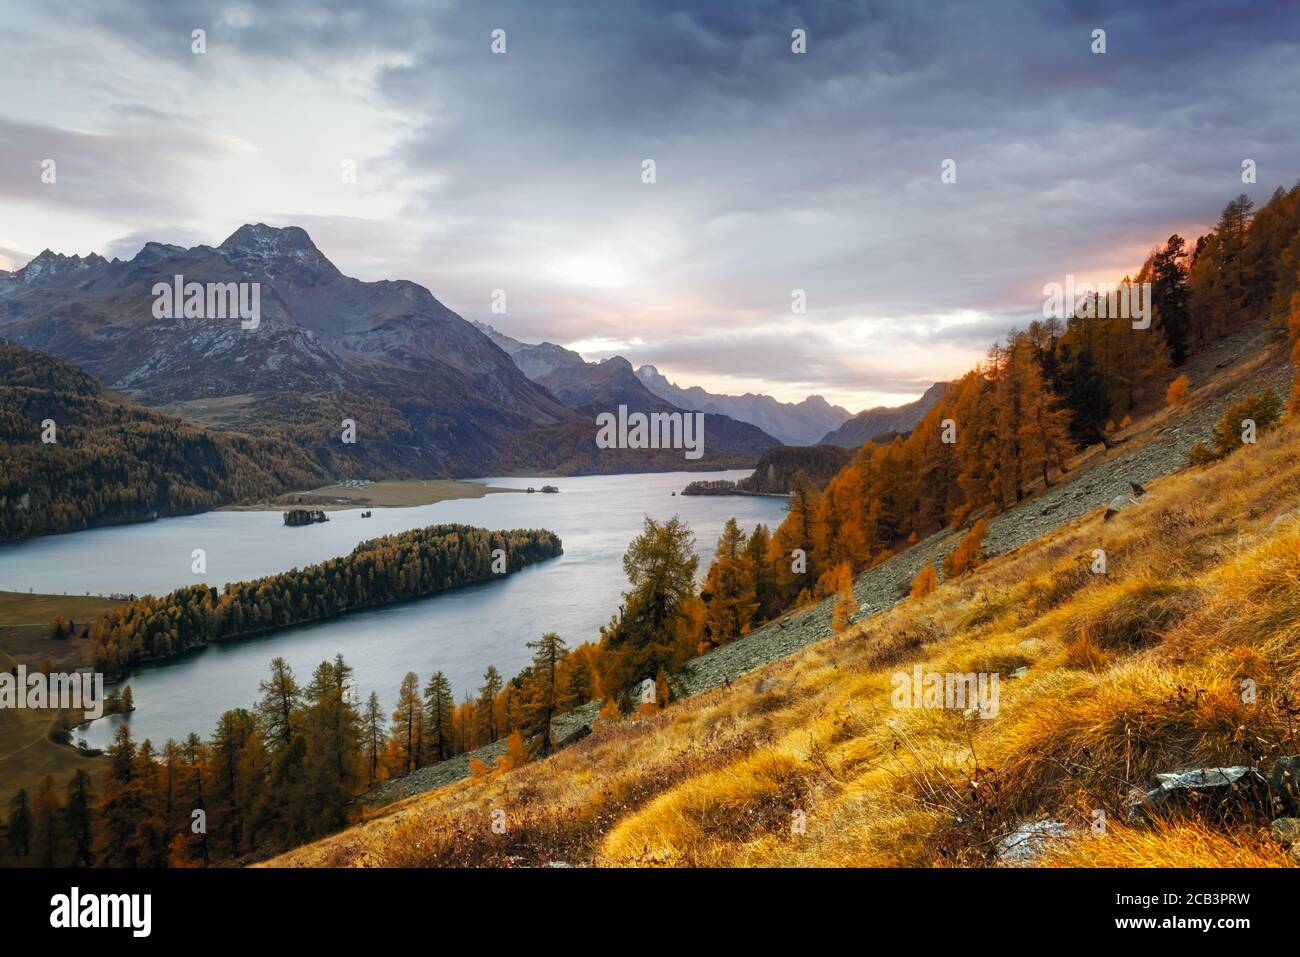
(459, 632)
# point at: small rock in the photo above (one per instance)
(1024, 844)
(1284, 783)
(769, 684)
(1205, 789)
(1020, 672)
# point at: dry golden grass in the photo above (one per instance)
(1128, 674)
(1190, 844)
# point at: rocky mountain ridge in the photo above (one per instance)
(794, 423)
(883, 421)
(430, 395)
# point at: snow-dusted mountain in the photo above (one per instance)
(794, 423)
(595, 386)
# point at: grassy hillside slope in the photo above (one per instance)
(808, 762)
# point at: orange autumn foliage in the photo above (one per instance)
(1177, 394)
(926, 581)
(968, 554)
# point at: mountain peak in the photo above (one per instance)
(285, 252)
(261, 234)
(617, 362)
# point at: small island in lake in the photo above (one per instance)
(305, 516)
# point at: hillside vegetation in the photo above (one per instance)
(779, 470)
(1014, 425)
(1125, 675)
(110, 462)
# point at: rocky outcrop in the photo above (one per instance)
(1286, 831)
(458, 768)
(574, 736)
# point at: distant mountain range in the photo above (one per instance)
(592, 387)
(814, 421)
(430, 395)
(884, 421)
(794, 423)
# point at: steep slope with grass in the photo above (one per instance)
(1106, 680)
(1153, 446)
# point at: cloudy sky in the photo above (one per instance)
(774, 170)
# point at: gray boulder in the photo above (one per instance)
(1027, 842)
(1211, 791)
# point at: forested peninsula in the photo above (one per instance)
(380, 571)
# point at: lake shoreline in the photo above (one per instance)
(397, 493)
(458, 632)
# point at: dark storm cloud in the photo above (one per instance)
(777, 171)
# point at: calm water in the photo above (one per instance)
(460, 632)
